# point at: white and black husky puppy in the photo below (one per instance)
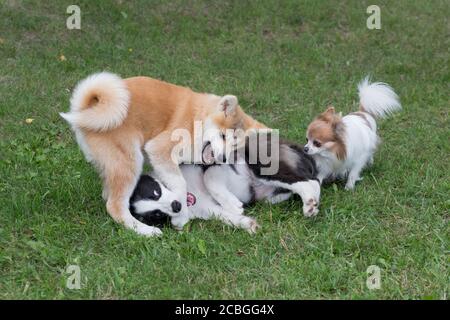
(222, 190)
(155, 205)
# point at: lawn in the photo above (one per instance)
(286, 61)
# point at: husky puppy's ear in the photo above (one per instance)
(228, 105)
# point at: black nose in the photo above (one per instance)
(176, 206)
(306, 149)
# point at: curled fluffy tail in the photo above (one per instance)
(377, 98)
(98, 103)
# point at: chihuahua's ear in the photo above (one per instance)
(228, 105)
(330, 110)
(328, 115)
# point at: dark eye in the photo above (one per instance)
(154, 194)
(317, 144)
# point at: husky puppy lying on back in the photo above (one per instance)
(153, 204)
(222, 190)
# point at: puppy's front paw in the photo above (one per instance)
(311, 208)
(250, 225)
(149, 231)
(349, 186)
(179, 222)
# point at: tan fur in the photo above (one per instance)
(156, 108)
(328, 130)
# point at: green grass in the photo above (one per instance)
(286, 63)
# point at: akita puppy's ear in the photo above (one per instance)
(228, 105)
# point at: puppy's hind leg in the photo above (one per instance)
(279, 197)
(354, 176)
(309, 191)
(215, 182)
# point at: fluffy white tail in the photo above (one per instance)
(377, 98)
(98, 103)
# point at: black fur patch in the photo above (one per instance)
(155, 218)
(280, 191)
(252, 200)
(148, 188)
(305, 165)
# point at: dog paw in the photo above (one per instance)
(250, 225)
(311, 208)
(254, 227)
(178, 222)
(149, 231)
(349, 186)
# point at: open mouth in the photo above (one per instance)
(208, 153)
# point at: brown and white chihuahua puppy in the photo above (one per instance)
(343, 146)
